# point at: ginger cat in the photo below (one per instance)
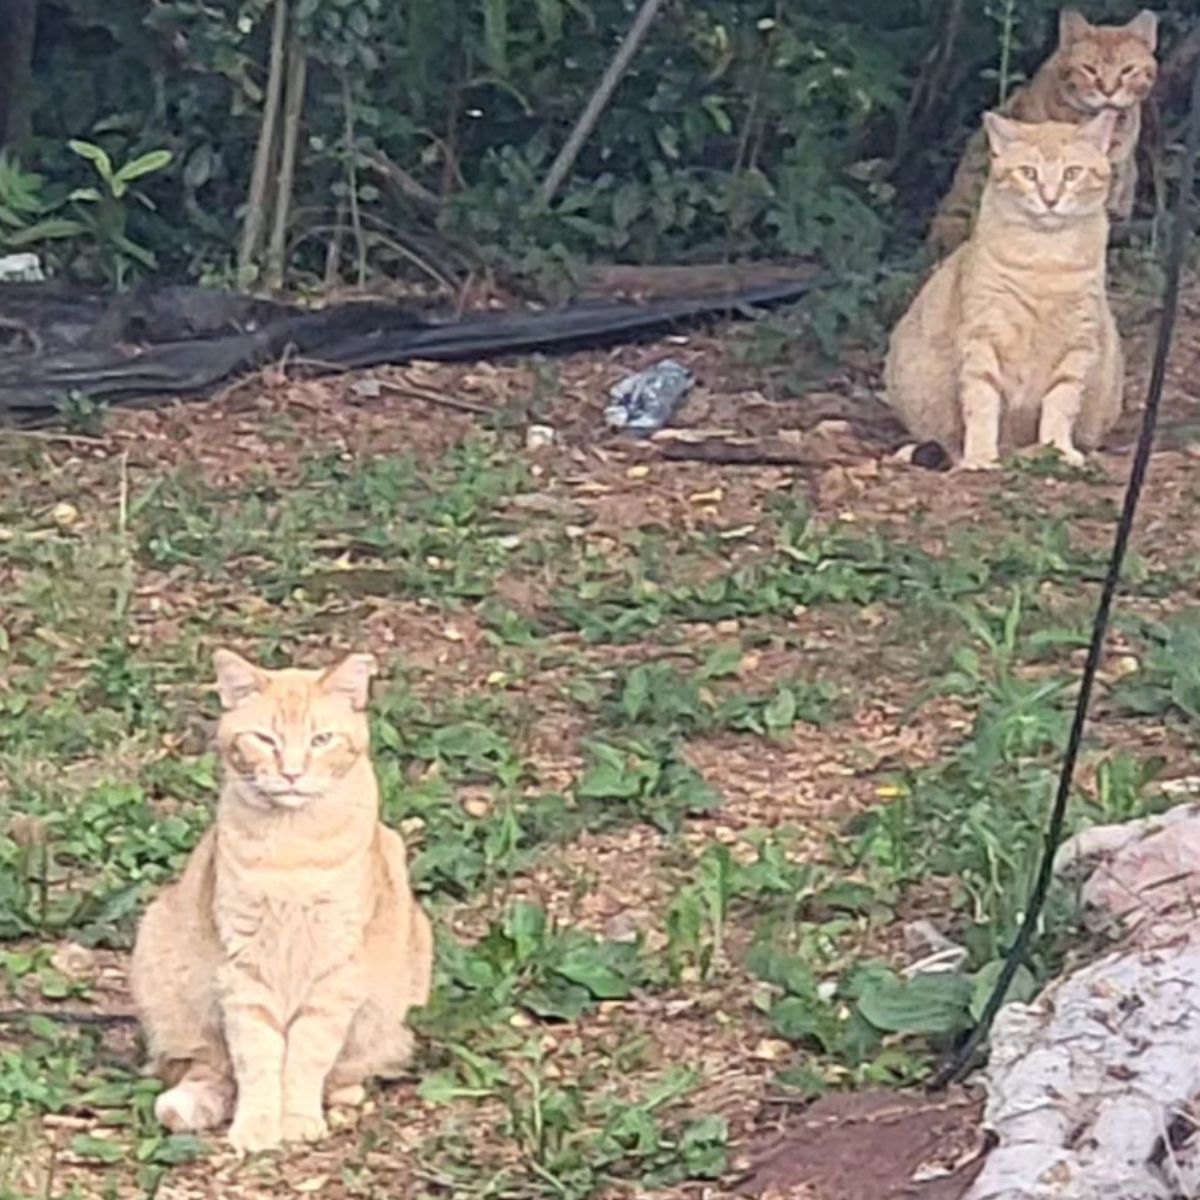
(1011, 341)
(1096, 68)
(276, 974)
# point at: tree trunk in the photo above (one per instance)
(18, 23)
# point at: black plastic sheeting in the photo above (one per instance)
(184, 342)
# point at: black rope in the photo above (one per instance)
(960, 1064)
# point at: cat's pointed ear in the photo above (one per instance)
(1100, 129)
(1001, 131)
(351, 678)
(1072, 25)
(1144, 27)
(237, 679)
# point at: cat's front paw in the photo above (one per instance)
(350, 1095)
(254, 1132)
(978, 464)
(1071, 456)
(304, 1127)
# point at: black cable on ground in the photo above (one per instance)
(960, 1064)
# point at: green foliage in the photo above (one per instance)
(26, 214)
(739, 130)
(523, 960)
(1168, 679)
(103, 214)
(649, 777)
(657, 695)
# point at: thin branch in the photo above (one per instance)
(255, 219)
(629, 47)
(297, 78)
(404, 183)
(360, 244)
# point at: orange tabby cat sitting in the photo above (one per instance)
(1096, 68)
(1011, 342)
(275, 976)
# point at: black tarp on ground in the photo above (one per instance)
(183, 341)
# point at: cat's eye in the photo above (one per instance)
(1028, 172)
(1072, 173)
(321, 739)
(266, 739)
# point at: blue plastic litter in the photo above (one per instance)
(646, 401)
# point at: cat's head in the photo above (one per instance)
(1050, 172)
(1106, 66)
(290, 735)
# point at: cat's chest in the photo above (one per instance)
(290, 936)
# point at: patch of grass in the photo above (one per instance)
(382, 526)
(1167, 681)
(659, 696)
(541, 1072)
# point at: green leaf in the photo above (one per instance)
(88, 195)
(198, 169)
(628, 205)
(140, 253)
(53, 984)
(585, 966)
(145, 164)
(780, 713)
(724, 661)
(787, 971)
(1022, 989)
(610, 781)
(636, 693)
(444, 1087)
(179, 1148)
(52, 229)
(525, 925)
(558, 1000)
(97, 1149)
(95, 155)
(932, 1004)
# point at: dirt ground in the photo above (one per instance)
(613, 881)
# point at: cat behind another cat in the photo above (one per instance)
(276, 974)
(1011, 341)
(1096, 68)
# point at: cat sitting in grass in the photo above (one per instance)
(275, 976)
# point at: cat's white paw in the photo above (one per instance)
(978, 464)
(254, 1132)
(1071, 456)
(192, 1107)
(304, 1127)
(351, 1095)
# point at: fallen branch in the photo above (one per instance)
(729, 449)
(561, 167)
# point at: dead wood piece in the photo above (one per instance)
(736, 450)
(697, 279)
